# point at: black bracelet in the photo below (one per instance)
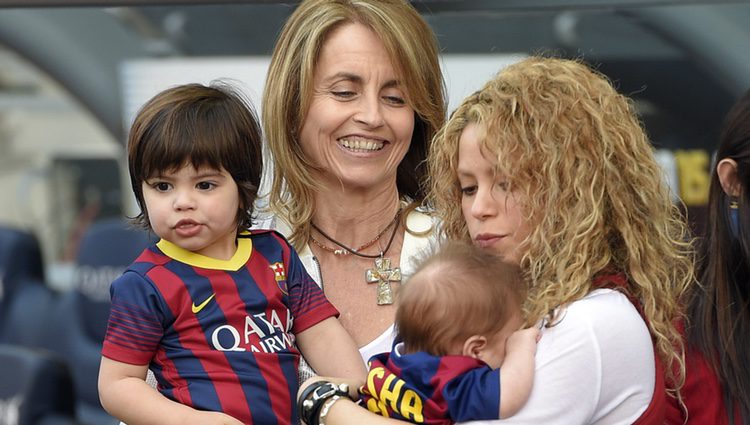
(314, 396)
(303, 404)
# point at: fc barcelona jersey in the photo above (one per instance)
(426, 389)
(218, 335)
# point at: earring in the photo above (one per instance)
(734, 216)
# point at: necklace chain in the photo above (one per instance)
(345, 250)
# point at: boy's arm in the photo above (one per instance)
(331, 351)
(517, 371)
(125, 395)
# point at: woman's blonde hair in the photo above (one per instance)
(287, 96)
(595, 197)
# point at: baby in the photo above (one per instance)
(458, 319)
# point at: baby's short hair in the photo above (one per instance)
(460, 291)
(205, 126)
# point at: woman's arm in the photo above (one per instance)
(125, 395)
(331, 351)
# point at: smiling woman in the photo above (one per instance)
(359, 126)
(353, 96)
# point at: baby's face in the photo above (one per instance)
(494, 352)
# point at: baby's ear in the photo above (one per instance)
(473, 346)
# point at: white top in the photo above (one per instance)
(381, 344)
(596, 366)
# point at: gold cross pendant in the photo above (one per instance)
(383, 275)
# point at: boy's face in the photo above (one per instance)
(195, 209)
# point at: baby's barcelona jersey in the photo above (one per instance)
(217, 334)
(426, 389)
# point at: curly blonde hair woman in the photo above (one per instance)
(548, 166)
(576, 159)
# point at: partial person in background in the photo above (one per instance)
(717, 384)
(354, 94)
(463, 372)
(214, 311)
(548, 166)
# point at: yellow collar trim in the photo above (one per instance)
(240, 257)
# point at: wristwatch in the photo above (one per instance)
(315, 395)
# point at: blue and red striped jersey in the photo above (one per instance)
(426, 389)
(218, 335)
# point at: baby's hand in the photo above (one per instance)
(524, 340)
(214, 418)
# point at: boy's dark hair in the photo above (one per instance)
(205, 126)
(460, 291)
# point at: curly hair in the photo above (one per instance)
(595, 196)
(413, 49)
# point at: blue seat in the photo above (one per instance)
(25, 300)
(36, 388)
(20, 261)
(79, 319)
(27, 314)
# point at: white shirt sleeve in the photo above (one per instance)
(596, 366)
